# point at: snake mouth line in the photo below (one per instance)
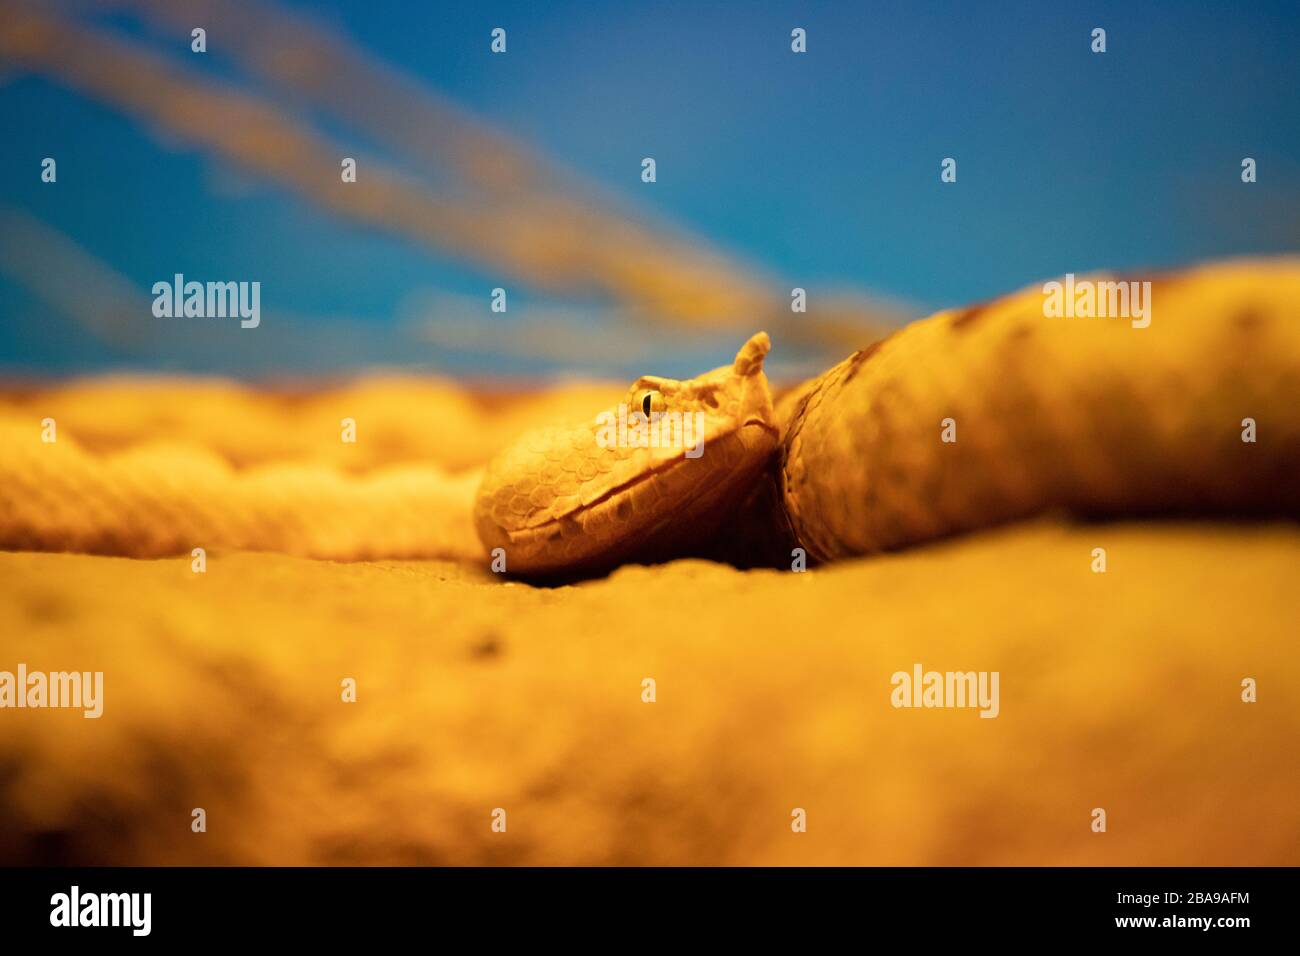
(634, 481)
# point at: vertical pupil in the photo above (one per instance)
(645, 404)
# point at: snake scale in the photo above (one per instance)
(967, 419)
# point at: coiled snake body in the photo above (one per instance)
(969, 418)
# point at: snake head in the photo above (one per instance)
(646, 479)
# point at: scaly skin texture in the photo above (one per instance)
(1087, 415)
(568, 500)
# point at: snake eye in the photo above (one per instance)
(651, 401)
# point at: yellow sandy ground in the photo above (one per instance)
(1119, 691)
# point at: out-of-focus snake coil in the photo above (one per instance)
(1092, 415)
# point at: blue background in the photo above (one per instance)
(820, 169)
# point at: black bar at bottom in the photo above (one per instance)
(332, 904)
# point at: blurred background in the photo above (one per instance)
(522, 170)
